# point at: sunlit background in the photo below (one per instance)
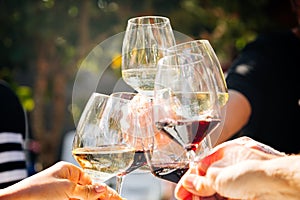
(44, 42)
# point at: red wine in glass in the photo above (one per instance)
(170, 172)
(188, 132)
(139, 161)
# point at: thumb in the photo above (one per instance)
(107, 193)
(97, 191)
(88, 191)
(198, 185)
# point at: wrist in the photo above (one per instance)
(18, 191)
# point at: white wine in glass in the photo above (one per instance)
(210, 61)
(145, 42)
(99, 146)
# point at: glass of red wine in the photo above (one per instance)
(185, 111)
(212, 64)
(138, 128)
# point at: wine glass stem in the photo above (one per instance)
(207, 147)
(208, 142)
(119, 182)
(191, 156)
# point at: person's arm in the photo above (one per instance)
(61, 181)
(238, 111)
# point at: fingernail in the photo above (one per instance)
(99, 189)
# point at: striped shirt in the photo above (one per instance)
(12, 134)
(12, 159)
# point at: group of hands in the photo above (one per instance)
(230, 170)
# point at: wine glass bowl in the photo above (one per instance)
(100, 146)
(185, 111)
(145, 42)
(185, 99)
(203, 48)
(168, 159)
(139, 129)
(210, 61)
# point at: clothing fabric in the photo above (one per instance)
(267, 73)
(12, 135)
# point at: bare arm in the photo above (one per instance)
(238, 110)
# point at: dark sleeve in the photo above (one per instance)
(247, 72)
(12, 116)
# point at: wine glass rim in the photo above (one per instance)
(164, 20)
(198, 60)
(117, 95)
(99, 94)
(200, 41)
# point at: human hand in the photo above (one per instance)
(230, 170)
(61, 181)
(71, 180)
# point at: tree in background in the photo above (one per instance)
(42, 43)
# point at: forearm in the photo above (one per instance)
(37, 186)
(16, 193)
(238, 111)
(28, 189)
(285, 175)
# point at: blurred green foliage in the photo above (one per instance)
(25, 25)
(43, 42)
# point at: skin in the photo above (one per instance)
(243, 169)
(61, 181)
(238, 111)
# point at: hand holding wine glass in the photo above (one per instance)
(145, 42)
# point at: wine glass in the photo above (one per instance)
(139, 130)
(186, 109)
(100, 145)
(145, 42)
(211, 62)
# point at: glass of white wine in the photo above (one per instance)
(100, 145)
(145, 42)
